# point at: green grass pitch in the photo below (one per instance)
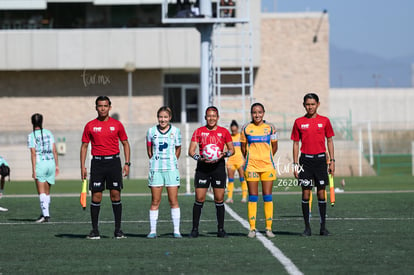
(372, 225)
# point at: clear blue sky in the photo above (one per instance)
(384, 28)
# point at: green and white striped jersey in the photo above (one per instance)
(163, 148)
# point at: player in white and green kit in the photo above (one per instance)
(44, 163)
(164, 148)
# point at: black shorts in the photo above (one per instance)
(313, 170)
(213, 175)
(106, 171)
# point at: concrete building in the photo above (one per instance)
(56, 56)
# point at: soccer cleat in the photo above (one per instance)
(119, 235)
(194, 233)
(177, 235)
(42, 219)
(222, 234)
(307, 232)
(269, 234)
(252, 234)
(244, 200)
(93, 235)
(229, 200)
(324, 232)
(152, 235)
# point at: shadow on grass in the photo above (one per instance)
(22, 220)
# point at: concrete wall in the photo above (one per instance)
(387, 109)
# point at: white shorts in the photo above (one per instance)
(164, 178)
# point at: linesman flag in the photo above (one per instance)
(83, 194)
(331, 189)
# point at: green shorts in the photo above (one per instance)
(46, 171)
(164, 178)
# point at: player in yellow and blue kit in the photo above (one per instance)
(259, 144)
(235, 163)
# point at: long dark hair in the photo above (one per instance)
(255, 105)
(37, 121)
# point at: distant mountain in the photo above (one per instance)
(350, 69)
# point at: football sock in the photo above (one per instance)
(47, 205)
(95, 208)
(43, 205)
(322, 212)
(197, 213)
(230, 188)
(153, 217)
(117, 209)
(305, 212)
(268, 211)
(175, 216)
(244, 188)
(252, 211)
(220, 214)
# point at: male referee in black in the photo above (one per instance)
(104, 134)
(313, 130)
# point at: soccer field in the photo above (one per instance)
(371, 224)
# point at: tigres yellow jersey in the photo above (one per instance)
(237, 158)
(259, 157)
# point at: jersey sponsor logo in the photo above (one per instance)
(97, 129)
(304, 126)
(305, 182)
(162, 146)
(97, 184)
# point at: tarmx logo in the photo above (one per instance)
(304, 126)
(96, 184)
(97, 129)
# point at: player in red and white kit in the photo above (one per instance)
(210, 173)
(311, 168)
(104, 134)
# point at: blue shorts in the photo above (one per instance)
(164, 178)
(46, 171)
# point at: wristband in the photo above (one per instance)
(196, 157)
(227, 154)
(128, 163)
(332, 160)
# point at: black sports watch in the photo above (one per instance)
(128, 163)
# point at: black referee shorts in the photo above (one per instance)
(314, 170)
(106, 172)
(213, 175)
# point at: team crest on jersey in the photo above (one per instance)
(320, 125)
(219, 134)
(172, 135)
(304, 126)
(97, 129)
(111, 128)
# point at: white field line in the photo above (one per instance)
(276, 252)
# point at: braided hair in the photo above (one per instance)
(37, 121)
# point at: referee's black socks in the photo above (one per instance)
(95, 208)
(197, 213)
(220, 214)
(322, 212)
(305, 212)
(117, 209)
